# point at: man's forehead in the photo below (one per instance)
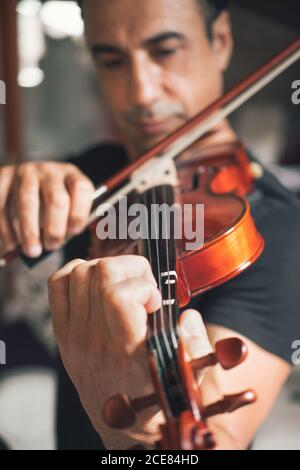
(122, 21)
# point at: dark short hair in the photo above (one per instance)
(210, 8)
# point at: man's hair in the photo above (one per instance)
(211, 10)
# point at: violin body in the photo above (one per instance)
(220, 180)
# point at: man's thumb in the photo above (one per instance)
(193, 334)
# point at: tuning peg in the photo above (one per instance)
(230, 403)
(228, 353)
(119, 411)
(203, 440)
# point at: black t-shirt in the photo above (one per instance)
(262, 303)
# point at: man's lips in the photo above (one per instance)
(153, 127)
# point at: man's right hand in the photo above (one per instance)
(41, 204)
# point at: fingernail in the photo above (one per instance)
(184, 333)
(34, 251)
(192, 324)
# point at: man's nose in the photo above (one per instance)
(145, 86)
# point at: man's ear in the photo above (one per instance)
(222, 40)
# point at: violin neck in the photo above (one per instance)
(160, 250)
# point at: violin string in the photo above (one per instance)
(171, 305)
(155, 334)
(161, 312)
(171, 319)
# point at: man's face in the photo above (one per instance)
(156, 65)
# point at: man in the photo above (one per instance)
(159, 62)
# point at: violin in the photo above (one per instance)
(231, 243)
(219, 178)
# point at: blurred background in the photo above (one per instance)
(55, 111)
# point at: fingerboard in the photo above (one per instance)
(160, 250)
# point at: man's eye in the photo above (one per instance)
(165, 52)
(112, 64)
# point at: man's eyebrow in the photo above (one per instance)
(103, 48)
(153, 41)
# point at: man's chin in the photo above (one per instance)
(142, 141)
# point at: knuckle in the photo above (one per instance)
(80, 182)
(51, 175)
(141, 260)
(55, 169)
(6, 171)
(79, 260)
(53, 281)
(71, 168)
(106, 268)
(146, 262)
(79, 271)
(24, 189)
(24, 170)
(48, 168)
(116, 296)
(20, 169)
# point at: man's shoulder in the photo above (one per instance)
(276, 211)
